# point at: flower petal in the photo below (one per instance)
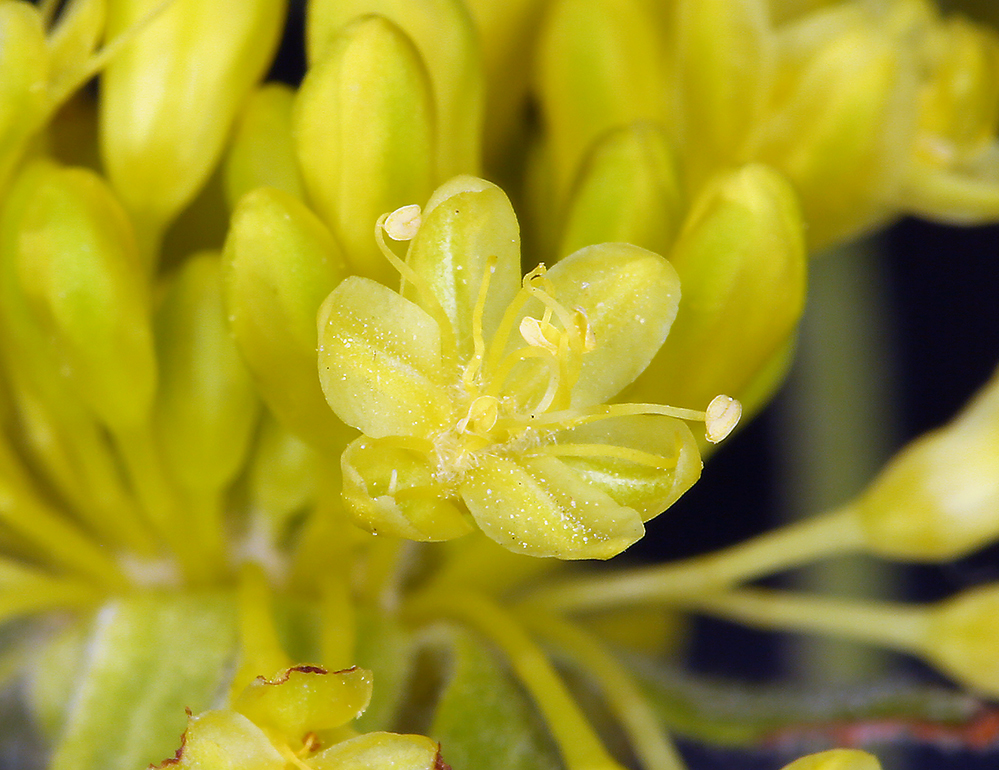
(644, 462)
(630, 297)
(539, 506)
(390, 490)
(467, 221)
(380, 361)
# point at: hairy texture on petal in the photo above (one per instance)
(539, 506)
(380, 361)
(617, 456)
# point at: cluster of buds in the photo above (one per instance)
(229, 401)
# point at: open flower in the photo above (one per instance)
(482, 395)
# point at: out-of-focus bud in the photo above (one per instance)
(72, 40)
(628, 191)
(281, 262)
(364, 123)
(938, 499)
(600, 65)
(960, 637)
(843, 129)
(836, 759)
(78, 264)
(262, 152)
(24, 72)
(742, 266)
(206, 407)
(507, 31)
(725, 58)
(283, 476)
(168, 98)
(445, 37)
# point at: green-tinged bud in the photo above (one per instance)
(725, 57)
(364, 122)
(168, 98)
(600, 65)
(960, 638)
(836, 759)
(72, 41)
(78, 264)
(24, 72)
(281, 262)
(283, 476)
(938, 499)
(507, 31)
(842, 132)
(445, 37)
(262, 153)
(742, 266)
(628, 191)
(405, 752)
(206, 407)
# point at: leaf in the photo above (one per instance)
(483, 720)
(148, 658)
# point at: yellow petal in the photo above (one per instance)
(539, 506)
(380, 750)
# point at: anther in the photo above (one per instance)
(721, 417)
(403, 223)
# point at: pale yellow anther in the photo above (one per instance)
(721, 417)
(540, 334)
(403, 223)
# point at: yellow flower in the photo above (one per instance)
(480, 395)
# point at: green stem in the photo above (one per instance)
(792, 546)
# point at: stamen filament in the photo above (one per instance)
(479, 349)
(572, 417)
(449, 345)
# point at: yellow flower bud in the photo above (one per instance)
(405, 752)
(960, 637)
(938, 499)
(262, 153)
(78, 265)
(725, 60)
(627, 191)
(206, 407)
(72, 40)
(444, 36)
(24, 73)
(364, 123)
(281, 262)
(600, 65)
(742, 267)
(842, 130)
(836, 759)
(169, 97)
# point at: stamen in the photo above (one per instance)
(477, 340)
(539, 334)
(569, 418)
(404, 223)
(611, 450)
(721, 417)
(449, 346)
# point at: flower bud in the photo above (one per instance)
(280, 263)
(282, 479)
(405, 752)
(445, 37)
(842, 131)
(206, 407)
(24, 72)
(364, 123)
(725, 57)
(223, 738)
(960, 638)
(600, 65)
(168, 98)
(938, 499)
(71, 42)
(78, 264)
(742, 266)
(627, 191)
(836, 759)
(262, 153)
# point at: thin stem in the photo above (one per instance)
(791, 546)
(339, 623)
(886, 624)
(260, 649)
(624, 696)
(580, 747)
